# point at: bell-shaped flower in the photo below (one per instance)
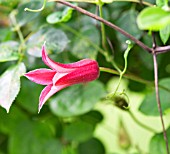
(62, 75)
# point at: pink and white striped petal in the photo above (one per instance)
(57, 76)
(63, 68)
(47, 92)
(81, 75)
(54, 65)
(41, 76)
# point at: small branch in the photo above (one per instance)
(141, 124)
(142, 45)
(164, 49)
(38, 10)
(159, 102)
(135, 1)
(128, 76)
(102, 26)
(157, 92)
(94, 2)
(20, 35)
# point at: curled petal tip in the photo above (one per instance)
(39, 108)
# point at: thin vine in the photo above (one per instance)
(157, 93)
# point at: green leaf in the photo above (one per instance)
(10, 85)
(94, 117)
(161, 3)
(153, 18)
(8, 51)
(69, 149)
(77, 99)
(78, 131)
(60, 16)
(130, 26)
(55, 39)
(24, 17)
(149, 104)
(165, 33)
(9, 3)
(6, 34)
(31, 137)
(34, 91)
(10, 120)
(85, 47)
(157, 143)
(92, 146)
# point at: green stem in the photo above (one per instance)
(22, 45)
(20, 35)
(128, 76)
(132, 77)
(113, 26)
(38, 10)
(141, 124)
(93, 1)
(136, 1)
(103, 33)
(130, 45)
(103, 52)
(115, 66)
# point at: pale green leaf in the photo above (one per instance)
(60, 16)
(153, 18)
(56, 40)
(161, 3)
(164, 34)
(10, 85)
(8, 51)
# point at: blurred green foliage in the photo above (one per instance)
(80, 119)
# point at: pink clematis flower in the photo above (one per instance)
(62, 75)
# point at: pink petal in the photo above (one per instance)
(52, 64)
(41, 76)
(78, 64)
(47, 92)
(80, 75)
(59, 67)
(57, 76)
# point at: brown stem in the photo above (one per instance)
(164, 49)
(142, 45)
(158, 50)
(157, 92)
(158, 101)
